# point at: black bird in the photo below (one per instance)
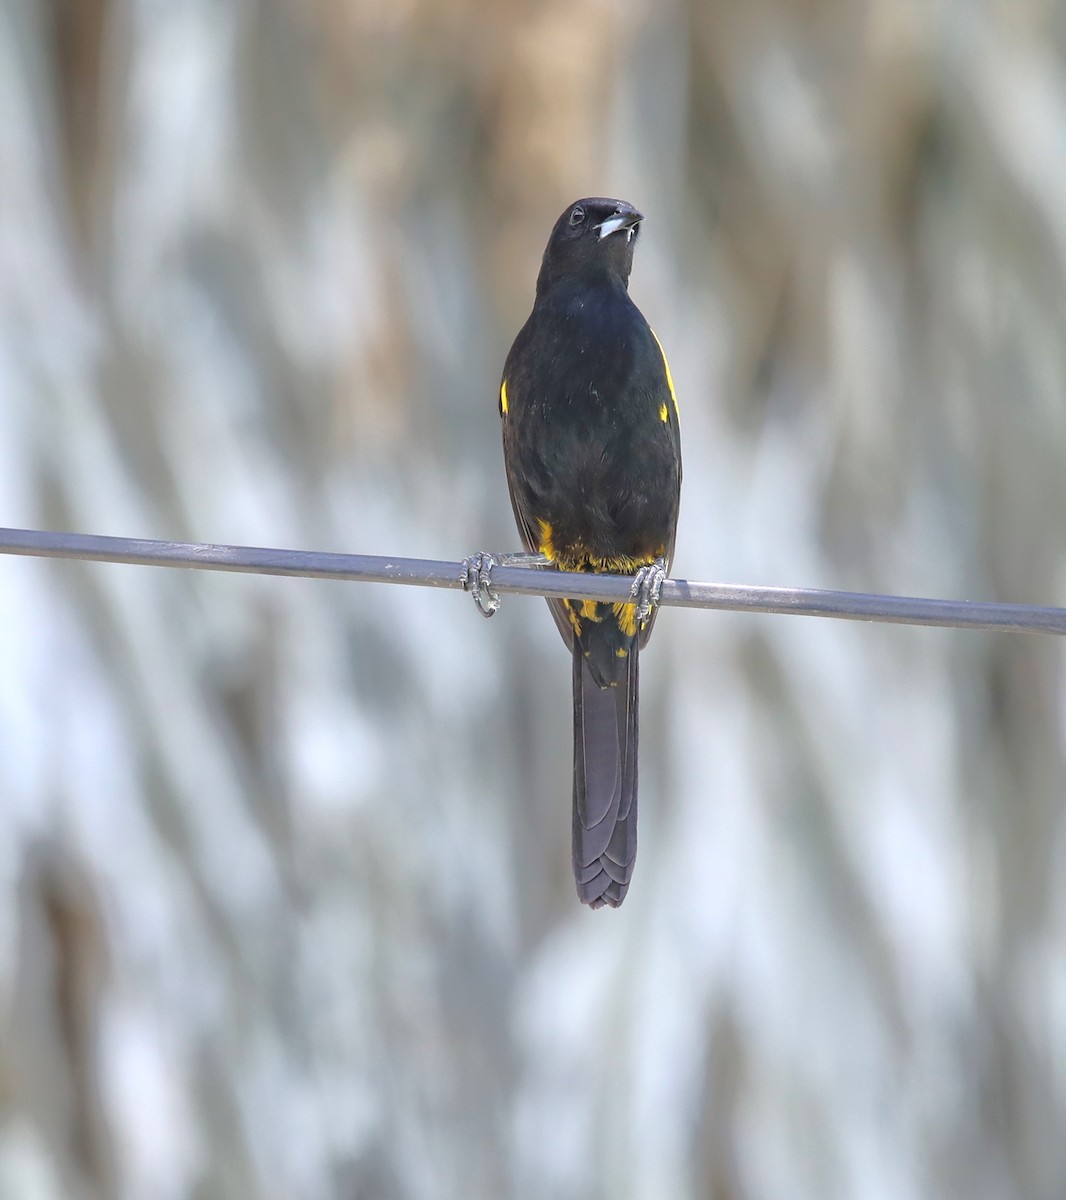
(593, 457)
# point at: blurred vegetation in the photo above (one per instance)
(285, 898)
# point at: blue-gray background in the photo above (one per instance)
(285, 899)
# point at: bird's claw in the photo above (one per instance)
(476, 578)
(647, 587)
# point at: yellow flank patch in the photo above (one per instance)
(622, 652)
(503, 397)
(664, 413)
(627, 618)
(669, 378)
(546, 534)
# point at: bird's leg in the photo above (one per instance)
(647, 586)
(476, 575)
(523, 559)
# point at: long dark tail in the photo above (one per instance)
(605, 782)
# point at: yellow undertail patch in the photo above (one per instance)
(577, 611)
(626, 615)
(572, 614)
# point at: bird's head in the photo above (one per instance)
(592, 233)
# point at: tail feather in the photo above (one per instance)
(605, 782)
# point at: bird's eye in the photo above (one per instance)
(577, 215)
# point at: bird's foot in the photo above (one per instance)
(476, 576)
(647, 587)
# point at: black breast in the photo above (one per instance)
(594, 456)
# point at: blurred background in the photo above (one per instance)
(285, 897)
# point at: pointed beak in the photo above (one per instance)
(627, 219)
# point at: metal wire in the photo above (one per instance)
(535, 581)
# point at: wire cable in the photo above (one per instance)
(535, 581)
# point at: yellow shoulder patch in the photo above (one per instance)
(503, 393)
(664, 413)
(669, 380)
